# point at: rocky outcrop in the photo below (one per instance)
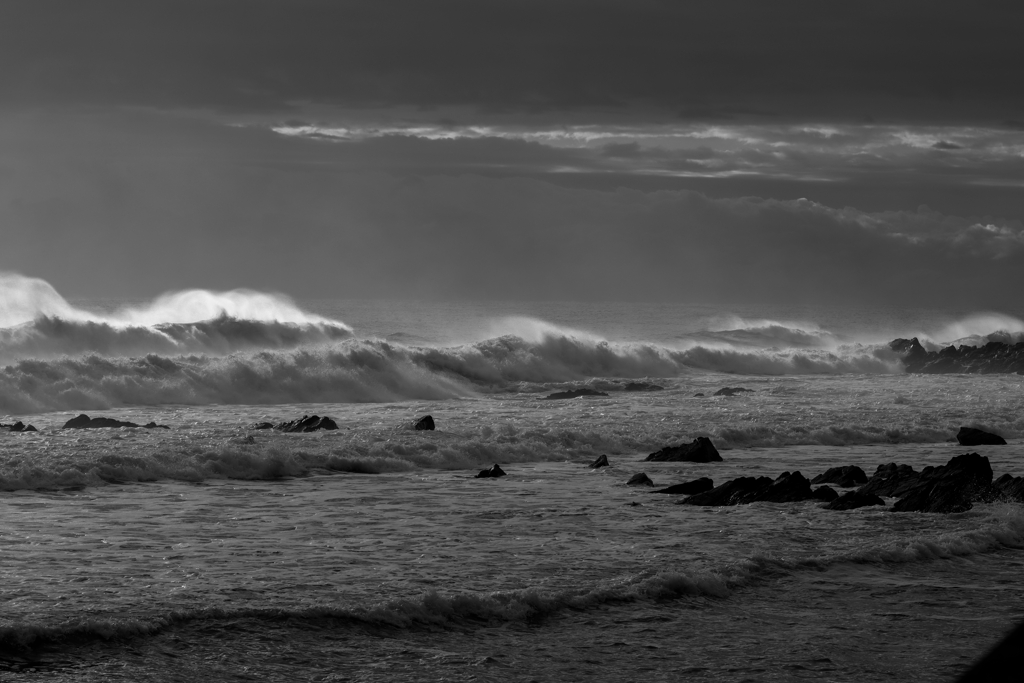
(1008, 487)
(425, 423)
(849, 475)
(690, 487)
(491, 472)
(574, 393)
(952, 487)
(786, 488)
(640, 479)
(891, 480)
(851, 500)
(19, 426)
(732, 391)
(825, 493)
(993, 357)
(642, 386)
(699, 450)
(969, 436)
(85, 422)
(308, 423)
(602, 461)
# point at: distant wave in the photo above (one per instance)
(463, 609)
(376, 371)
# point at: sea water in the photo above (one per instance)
(214, 551)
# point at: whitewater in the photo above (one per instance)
(217, 551)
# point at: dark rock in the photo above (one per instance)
(786, 488)
(698, 395)
(30, 428)
(1008, 487)
(575, 393)
(689, 488)
(308, 423)
(851, 500)
(18, 426)
(1000, 665)
(85, 422)
(602, 461)
(850, 475)
(949, 488)
(642, 386)
(491, 472)
(993, 357)
(262, 425)
(154, 425)
(732, 391)
(825, 493)
(699, 450)
(640, 479)
(891, 480)
(969, 436)
(425, 423)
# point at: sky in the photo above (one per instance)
(728, 151)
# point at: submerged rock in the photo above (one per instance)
(690, 487)
(851, 500)
(699, 450)
(969, 436)
(949, 488)
(732, 391)
(642, 386)
(850, 475)
(602, 461)
(154, 425)
(261, 425)
(308, 423)
(425, 423)
(640, 479)
(786, 488)
(574, 393)
(491, 472)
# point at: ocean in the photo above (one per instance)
(215, 551)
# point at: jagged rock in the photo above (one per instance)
(786, 488)
(993, 357)
(574, 393)
(261, 425)
(1008, 487)
(689, 488)
(825, 493)
(969, 436)
(640, 479)
(425, 423)
(18, 426)
(308, 423)
(850, 475)
(642, 386)
(491, 472)
(732, 391)
(699, 450)
(602, 461)
(851, 500)
(83, 421)
(891, 480)
(949, 488)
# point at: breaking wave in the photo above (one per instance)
(434, 609)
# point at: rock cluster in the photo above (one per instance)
(491, 472)
(83, 421)
(574, 393)
(851, 475)
(19, 426)
(993, 357)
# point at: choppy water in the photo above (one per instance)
(216, 552)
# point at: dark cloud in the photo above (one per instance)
(794, 59)
(92, 201)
